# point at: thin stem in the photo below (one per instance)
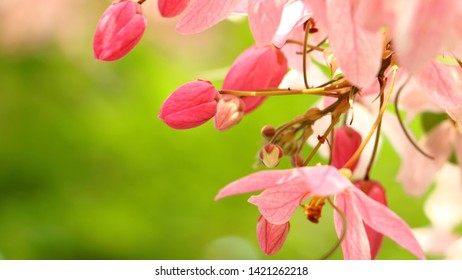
(342, 234)
(313, 91)
(305, 44)
(403, 127)
(377, 133)
(318, 145)
(309, 47)
(141, 1)
(358, 152)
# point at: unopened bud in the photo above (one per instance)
(297, 160)
(171, 8)
(270, 155)
(190, 105)
(268, 131)
(120, 28)
(230, 110)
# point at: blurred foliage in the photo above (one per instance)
(87, 171)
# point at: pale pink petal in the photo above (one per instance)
(264, 19)
(444, 205)
(319, 8)
(358, 50)
(203, 14)
(171, 8)
(414, 100)
(261, 180)
(271, 237)
(434, 241)
(294, 15)
(355, 245)
(417, 171)
(374, 14)
(383, 220)
(420, 31)
(440, 84)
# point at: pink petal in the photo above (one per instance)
(374, 14)
(355, 245)
(260, 181)
(203, 14)
(420, 30)
(278, 204)
(171, 8)
(383, 220)
(271, 237)
(264, 19)
(190, 105)
(440, 84)
(358, 50)
(293, 15)
(417, 171)
(346, 142)
(319, 8)
(375, 191)
(119, 30)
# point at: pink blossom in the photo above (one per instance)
(256, 68)
(171, 8)
(190, 105)
(271, 237)
(120, 28)
(229, 112)
(265, 17)
(284, 191)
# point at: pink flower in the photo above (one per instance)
(120, 28)
(284, 191)
(190, 105)
(256, 68)
(171, 8)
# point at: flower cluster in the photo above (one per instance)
(375, 52)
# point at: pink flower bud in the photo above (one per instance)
(120, 28)
(270, 155)
(346, 142)
(271, 237)
(190, 105)
(230, 110)
(256, 68)
(375, 191)
(171, 8)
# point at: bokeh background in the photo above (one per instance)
(87, 171)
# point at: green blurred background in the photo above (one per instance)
(87, 171)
